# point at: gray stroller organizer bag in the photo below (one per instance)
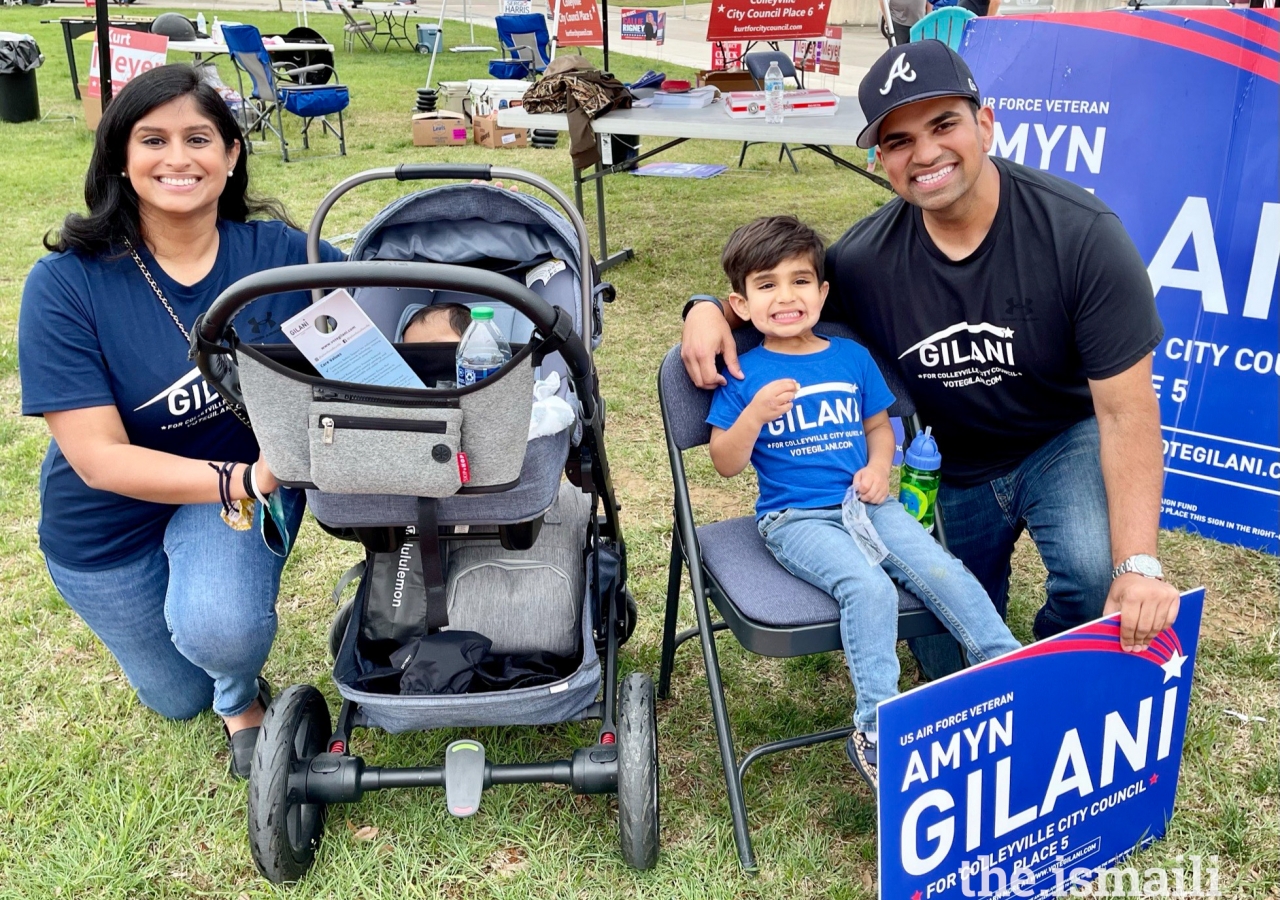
(347, 438)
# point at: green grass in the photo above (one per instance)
(101, 798)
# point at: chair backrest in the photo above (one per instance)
(758, 64)
(524, 31)
(685, 407)
(245, 44)
(946, 25)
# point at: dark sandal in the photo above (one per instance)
(243, 742)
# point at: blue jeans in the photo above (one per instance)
(192, 621)
(1057, 495)
(813, 545)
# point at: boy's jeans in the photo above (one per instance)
(812, 544)
(191, 622)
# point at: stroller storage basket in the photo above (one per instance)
(358, 439)
(562, 701)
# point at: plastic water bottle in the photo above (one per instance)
(773, 94)
(216, 34)
(200, 23)
(918, 481)
(483, 350)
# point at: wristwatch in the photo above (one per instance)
(700, 298)
(1144, 564)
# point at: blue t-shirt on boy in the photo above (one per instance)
(807, 458)
(92, 332)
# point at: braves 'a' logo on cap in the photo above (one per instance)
(900, 69)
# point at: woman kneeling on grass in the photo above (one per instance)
(142, 522)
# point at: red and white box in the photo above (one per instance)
(750, 104)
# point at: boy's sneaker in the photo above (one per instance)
(864, 756)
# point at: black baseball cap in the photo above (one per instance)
(908, 73)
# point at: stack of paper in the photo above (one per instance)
(694, 99)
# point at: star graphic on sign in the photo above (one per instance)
(1154, 778)
(915, 896)
(822, 6)
(1173, 668)
(721, 8)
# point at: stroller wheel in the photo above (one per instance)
(638, 772)
(338, 628)
(284, 831)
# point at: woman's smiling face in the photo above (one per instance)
(177, 161)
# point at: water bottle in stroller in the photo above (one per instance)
(482, 350)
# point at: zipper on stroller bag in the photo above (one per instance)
(333, 395)
(362, 423)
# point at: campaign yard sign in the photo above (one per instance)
(132, 53)
(644, 25)
(1031, 774)
(578, 24)
(819, 56)
(1170, 116)
(726, 56)
(766, 20)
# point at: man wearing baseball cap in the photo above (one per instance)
(1021, 318)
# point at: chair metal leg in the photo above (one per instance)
(720, 715)
(743, 154)
(342, 136)
(787, 150)
(669, 626)
(284, 145)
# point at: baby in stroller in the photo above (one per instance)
(439, 323)
(456, 507)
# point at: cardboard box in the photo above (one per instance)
(92, 108)
(488, 134)
(442, 128)
(733, 80)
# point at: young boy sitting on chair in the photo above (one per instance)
(810, 415)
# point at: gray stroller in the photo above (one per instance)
(515, 576)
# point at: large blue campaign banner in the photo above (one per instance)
(1030, 774)
(1170, 117)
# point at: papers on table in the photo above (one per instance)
(694, 99)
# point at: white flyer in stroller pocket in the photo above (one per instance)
(341, 341)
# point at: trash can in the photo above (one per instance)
(19, 59)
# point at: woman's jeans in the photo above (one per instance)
(1058, 496)
(192, 621)
(813, 544)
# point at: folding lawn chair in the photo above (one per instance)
(769, 611)
(946, 25)
(353, 28)
(271, 98)
(758, 65)
(526, 39)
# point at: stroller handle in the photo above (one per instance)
(458, 171)
(209, 335)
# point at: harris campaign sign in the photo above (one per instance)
(1033, 773)
(1170, 116)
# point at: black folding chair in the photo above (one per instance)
(758, 65)
(768, 610)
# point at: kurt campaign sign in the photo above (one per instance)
(1031, 774)
(1170, 116)
(132, 53)
(766, 20)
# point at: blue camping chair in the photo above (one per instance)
(946, 25)
(526, 39)
(271, 98)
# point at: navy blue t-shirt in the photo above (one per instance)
(807, 458)
(92, 332)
